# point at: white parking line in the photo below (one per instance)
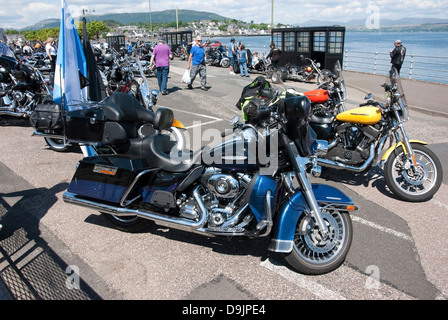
(303, 281)
(214, 119)
(381, 228)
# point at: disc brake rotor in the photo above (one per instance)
(416, 175)
(314, 240)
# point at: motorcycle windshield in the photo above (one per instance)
(397, 87)
(144, 85)
(340, 78)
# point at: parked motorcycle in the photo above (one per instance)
(306, 72)
(357, 137)
(228, 190)
(181, 52)
(329, 97)
(215, 57)
(22, 88)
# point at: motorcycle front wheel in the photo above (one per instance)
(413, 184)
(313, 255)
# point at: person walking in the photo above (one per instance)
(162, 55)
(242, 60)
(232, 55)
(196, 64)
(397, 55)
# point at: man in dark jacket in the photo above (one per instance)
(397, 55)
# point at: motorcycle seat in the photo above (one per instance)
(159, 151)
(122, 107)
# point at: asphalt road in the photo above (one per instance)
(52, 250)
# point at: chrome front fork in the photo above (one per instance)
(300, 164)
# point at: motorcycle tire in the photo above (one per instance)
(225, 63)
(131, 224)
(324, 77)
(58, 145)
(412, 186)
(314, 256)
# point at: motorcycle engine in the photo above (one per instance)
(222, 199)
(354, 143)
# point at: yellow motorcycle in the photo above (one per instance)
(358, 136)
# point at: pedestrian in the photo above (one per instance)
(162, 55)
(129, 45)
(274, 54)
(231, 55)
(397, 55)
(196, 64)
(242, 60)
(51, 52)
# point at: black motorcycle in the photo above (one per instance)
(22, 88)
(215, 57)
(253, 184)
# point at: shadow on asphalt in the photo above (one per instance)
(29, 268)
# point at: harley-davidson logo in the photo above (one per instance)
(102, 169)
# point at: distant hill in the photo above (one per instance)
(166, 16)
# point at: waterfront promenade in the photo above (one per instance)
(424, 96)
(42, 235)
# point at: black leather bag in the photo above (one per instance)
(47, 116)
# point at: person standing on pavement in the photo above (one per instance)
(232, 54)
(162, 54)
(51, 53)
(196, 64)
(242, 60)
(274, 54)
(397, 55)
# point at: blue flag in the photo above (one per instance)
(71, 65)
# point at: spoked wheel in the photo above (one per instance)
(409, 183)
(314, 255)
(130, 224)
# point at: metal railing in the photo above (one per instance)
(419, 67)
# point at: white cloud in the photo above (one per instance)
(30, 12)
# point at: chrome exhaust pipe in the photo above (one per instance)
(13, 114)
(157, 217)
(340, 166)
(47, 135)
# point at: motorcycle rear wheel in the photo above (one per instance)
(313, 255)
(412, 186)
(131, 224)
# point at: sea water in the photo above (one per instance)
(423, 45)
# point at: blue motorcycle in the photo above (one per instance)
(253, 184)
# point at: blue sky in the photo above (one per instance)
(19, 14)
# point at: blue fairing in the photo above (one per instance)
(257, 196)
(288, 216)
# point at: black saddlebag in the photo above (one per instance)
(85, 125)
(47, 116)
(90, 125)
(106, 177)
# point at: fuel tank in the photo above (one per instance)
(317, 96)
(233, 155)
(362, 115)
